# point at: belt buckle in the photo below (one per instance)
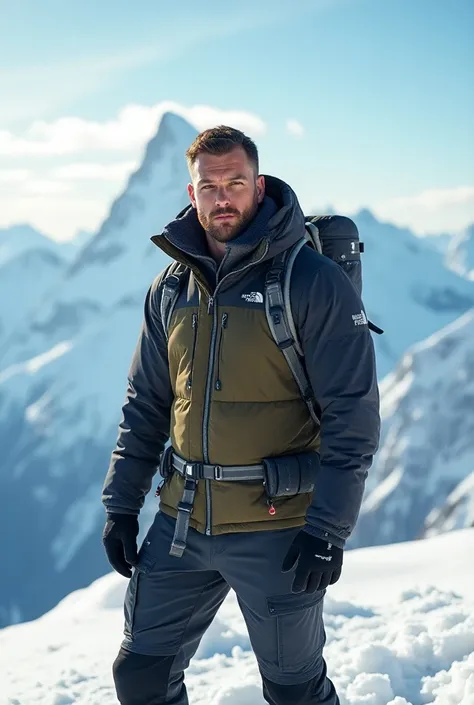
(218, 472)
(189, 470)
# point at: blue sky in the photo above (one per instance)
(380, 95)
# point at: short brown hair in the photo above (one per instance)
(221, 140)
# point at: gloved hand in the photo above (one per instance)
(318, 563)
(120, 542)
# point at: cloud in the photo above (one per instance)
(60, 218)
(45, 187)
(87, 171)
(295, 128)
(432, 210)
(72, 173)
(129, 130)
(436, 198)
(8, 176)
(204, 116)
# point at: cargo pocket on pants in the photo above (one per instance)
(130, 603)
(146, 563)
(300, 633)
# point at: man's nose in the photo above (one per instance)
(222, 197)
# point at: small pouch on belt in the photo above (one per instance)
(166, 463)
(287, 475)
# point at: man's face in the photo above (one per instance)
(226, 192)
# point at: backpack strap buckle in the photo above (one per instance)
(170, 292)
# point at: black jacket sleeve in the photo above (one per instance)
(340, 361)
(145, 426)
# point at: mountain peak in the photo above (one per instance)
(173, 131)
(366, 217)
(23, 230)
(21, 238)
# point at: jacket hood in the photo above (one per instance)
(279, 221)
(287, 225)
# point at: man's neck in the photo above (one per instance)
(216, 249)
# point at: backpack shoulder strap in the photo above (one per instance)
(282, 325)
(313, 236)
(172, 282)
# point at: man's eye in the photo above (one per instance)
(206, 187)
(237, 183)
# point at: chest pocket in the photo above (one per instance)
(182, 351)
(248, 366)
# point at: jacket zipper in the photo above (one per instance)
(212, 310)
(224, 319)
(189, 383)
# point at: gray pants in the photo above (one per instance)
(170, 602)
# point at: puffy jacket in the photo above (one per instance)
(220, 389)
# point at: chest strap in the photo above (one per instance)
(192, 472)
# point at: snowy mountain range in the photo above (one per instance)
(63, 383)
(19, 239)
(422, 481)
(31, 264)
(460, 253)
(64, 363)
(407, 289)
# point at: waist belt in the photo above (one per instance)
(192, 472)
(225, 473)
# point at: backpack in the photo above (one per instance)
(333, 236)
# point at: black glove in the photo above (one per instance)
(120, 542)
(318, 563)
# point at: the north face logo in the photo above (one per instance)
(255, 297)
(360, 319)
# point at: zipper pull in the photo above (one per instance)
(189, 382)
(210, 305)
(218, 384)
(271, 509)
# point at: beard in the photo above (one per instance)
(224, 230)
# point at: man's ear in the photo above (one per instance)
(191, 195)
(260, 188)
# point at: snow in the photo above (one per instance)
(460, 253)
(418, 482)
(400, 631)
(456, 512)
(19, 239)
(24, 280)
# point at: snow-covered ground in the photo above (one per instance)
(400, 629)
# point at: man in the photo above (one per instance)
(216, 384)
